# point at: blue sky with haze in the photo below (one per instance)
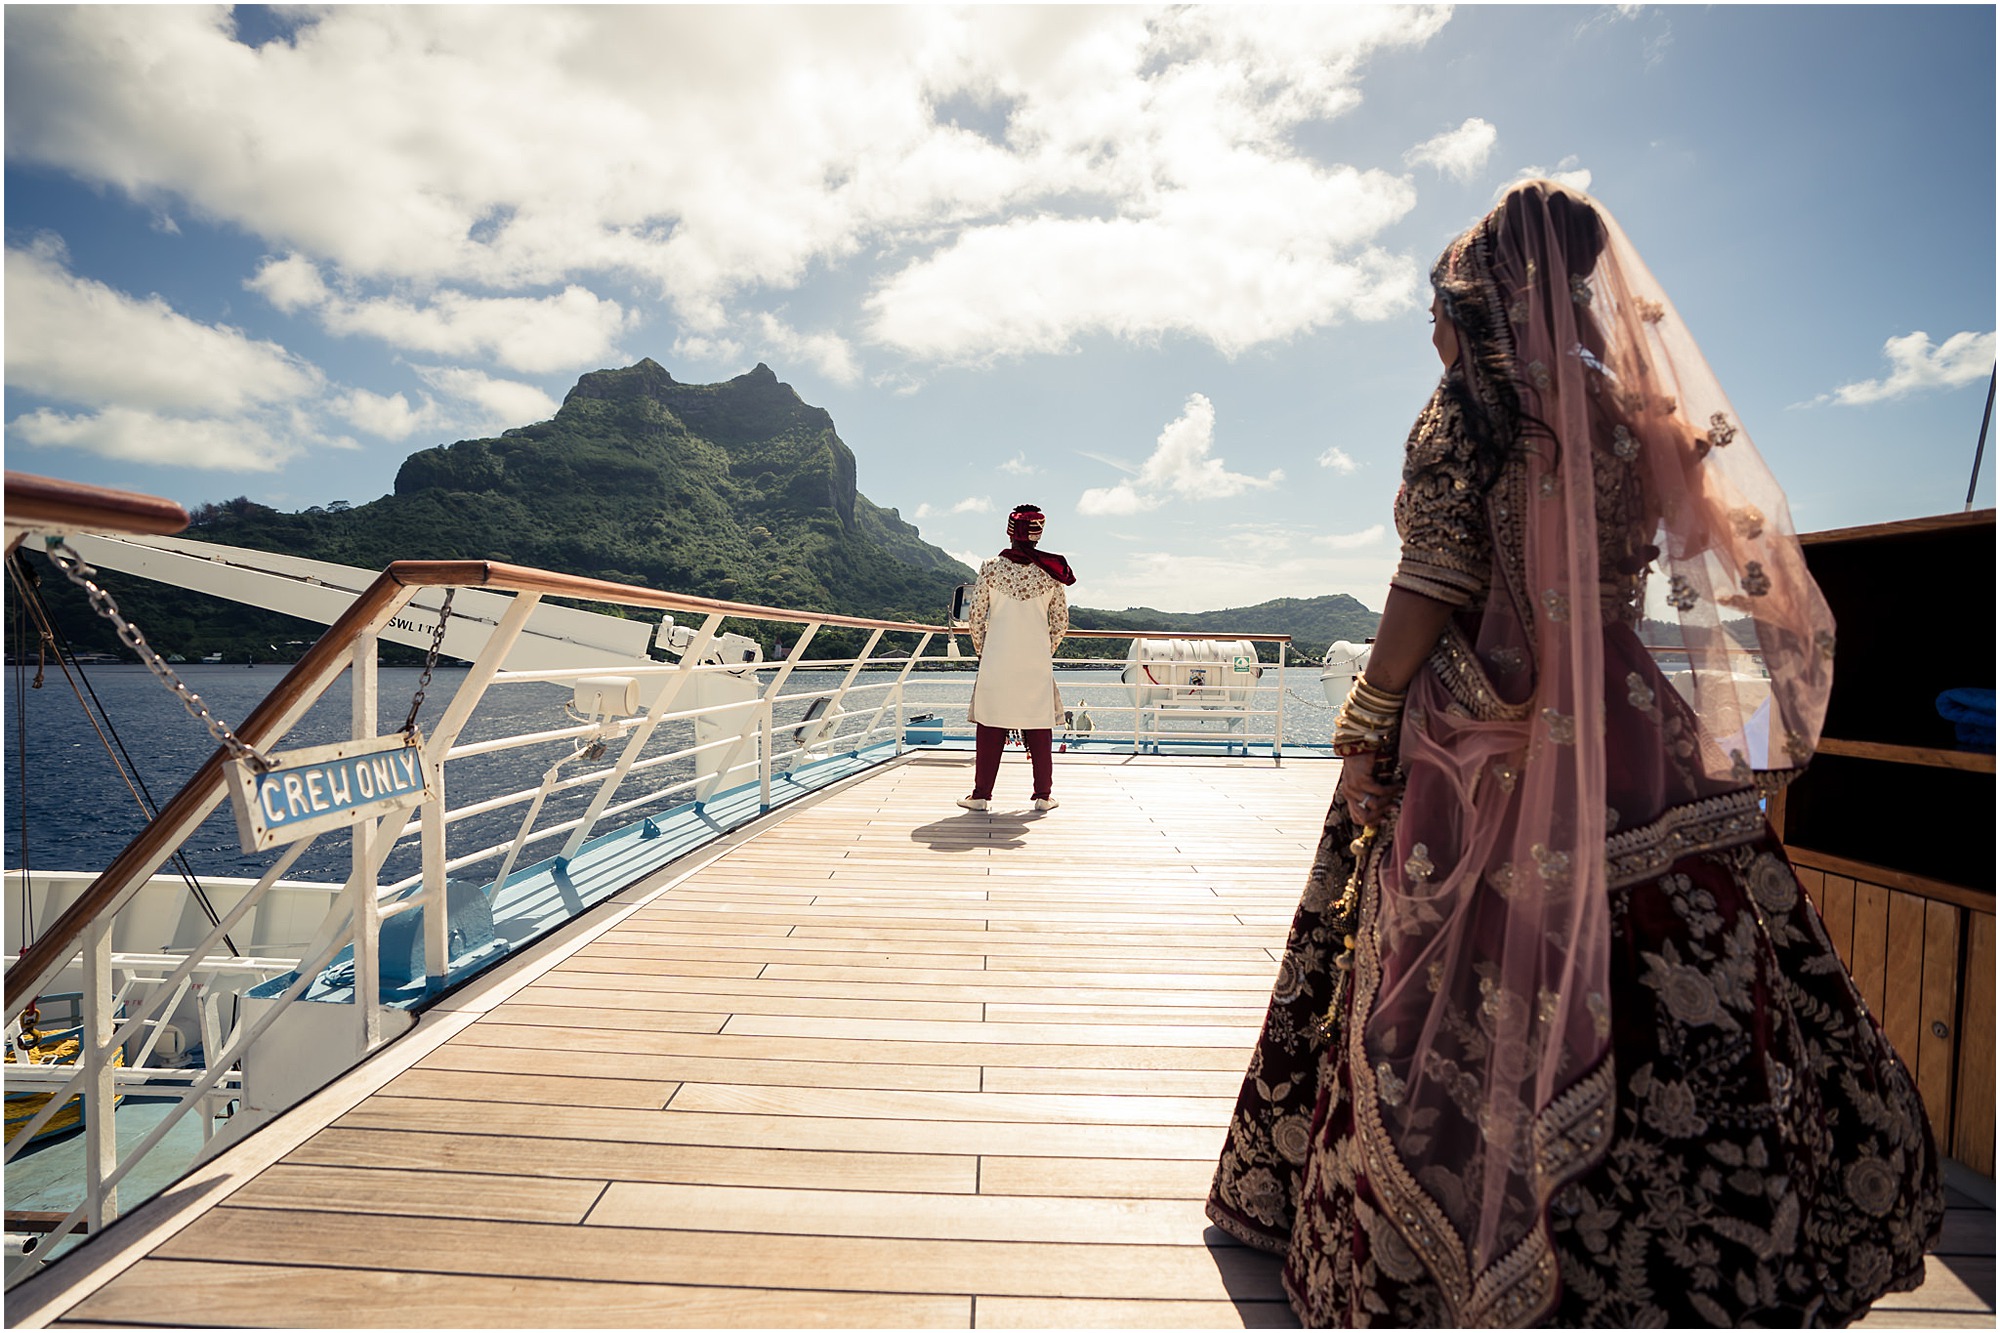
(1160, 271)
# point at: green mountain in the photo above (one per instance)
(737, 490)
(1313, 622)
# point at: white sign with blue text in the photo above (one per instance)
(325, 787)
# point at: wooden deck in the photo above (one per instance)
(880, 1063)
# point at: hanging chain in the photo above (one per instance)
(73, 567)
(430, 663)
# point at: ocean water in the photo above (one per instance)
(66, 808)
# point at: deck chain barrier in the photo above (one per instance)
(78, 572)
(430, 663)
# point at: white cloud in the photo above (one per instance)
(1019, 466)
(133, 435)
(1916, 364)
(708, 152)
(1352, 541)
(1338, 460)
(291, 284)
(388, 416)
(1179, 466)
(127, 370)
(698, 348)
(1565, 172)
(501, 404)
(969, 558)
(828, 353)
(574, 327)
(1115, 500)
(78, 341)
(971, 504)
(1461, 152)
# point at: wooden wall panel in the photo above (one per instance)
(1838, 910)
(1940, 1015)
(1972, 1122)
(1814, 883)
(1868, 952)
(1903, 977)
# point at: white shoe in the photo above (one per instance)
(975, 803)
(1047, 803)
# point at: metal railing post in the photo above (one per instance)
(643, 733)
(867, 651)
(367, 933)
(895, 695)
(760, 719)
(1278, 745)
(764, 757)
(362, 686)
(100, 1114)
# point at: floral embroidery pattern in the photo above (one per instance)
(1638, 693)
(1418, 867)
(1623, 444)
(1823, 640)
(1720, 432)
(1538, 374)
(1553, 866)
(1562, 726)
(1681, 594)
(1556, 605)
(1748, 522)
(1652, 312)
(1755, 581)
(1579, 289)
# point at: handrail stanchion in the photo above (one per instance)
(867, 651)
(1278, 745)
(100, 1147)
(362, 679)
(437, 966)
(764, 756)
(895, 695)
(759, 718)
(644, 732)
(367, 927)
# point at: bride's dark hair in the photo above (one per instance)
(1481, 295)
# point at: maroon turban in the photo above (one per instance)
(1024, 529)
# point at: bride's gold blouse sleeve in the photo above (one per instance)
(1440, 510)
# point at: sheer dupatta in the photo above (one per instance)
(1482, 1057)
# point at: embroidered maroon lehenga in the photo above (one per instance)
(1582, 1054)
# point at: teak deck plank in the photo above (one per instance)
(883, 1063)
(245, 1295)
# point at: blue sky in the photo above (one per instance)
(1160, 271)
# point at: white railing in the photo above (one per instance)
(712, 737)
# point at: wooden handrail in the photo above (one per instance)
(1192, 635)
(35, 503)
(496, 576)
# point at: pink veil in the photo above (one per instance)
(1482, 1057)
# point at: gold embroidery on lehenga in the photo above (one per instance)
(1700, 826)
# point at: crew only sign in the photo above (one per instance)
(326, 787)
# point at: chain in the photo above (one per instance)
(430, 663)
(73, 567)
